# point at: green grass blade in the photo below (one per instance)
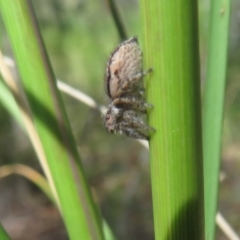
(213, 107)
(170, 39)
(75, 201)
(9, 103)
(41, 182)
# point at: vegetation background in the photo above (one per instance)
(79, 36)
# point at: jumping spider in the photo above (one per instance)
(124, 86)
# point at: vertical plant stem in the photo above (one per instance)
(170, 39)
(213, 107)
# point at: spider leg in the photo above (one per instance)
(132, 103)
(133, 121)
(138, 123)
(133, 133)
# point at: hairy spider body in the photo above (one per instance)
(124, 86)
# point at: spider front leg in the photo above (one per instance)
(134, 133)
(133, 120)
(136, 130)
(132, 103)
(127, 122)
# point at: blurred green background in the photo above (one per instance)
(79, 36)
